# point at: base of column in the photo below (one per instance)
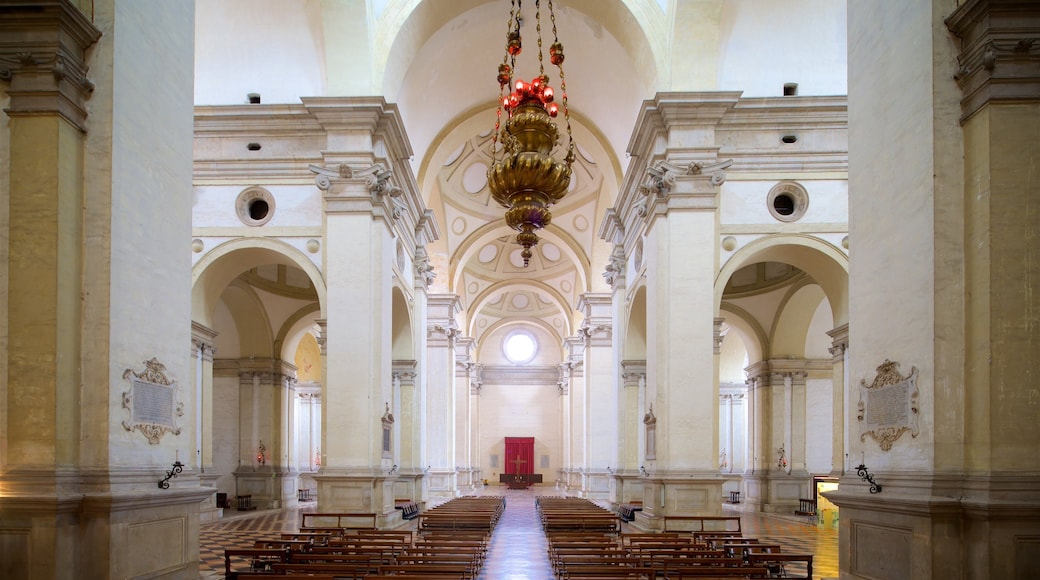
(208, 510)
(440, 484)
(939, 526)
(59, 525)
(360, 493)
(678, 494)
(270, 489)
(628, 489)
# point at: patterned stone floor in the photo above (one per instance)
(518, 546)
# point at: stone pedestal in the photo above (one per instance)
(269, 489)
(359, 493)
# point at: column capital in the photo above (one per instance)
(42, 53)
(323, 334)
(718, 335)
(998, 54)
(839, 342)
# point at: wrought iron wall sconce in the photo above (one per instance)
(393, 470)
(642, 469)
(861, 471)
(609, 470)
(178, 467)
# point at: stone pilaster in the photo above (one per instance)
(756, 488)
(444, 395)
(839, 381)
(266, 395)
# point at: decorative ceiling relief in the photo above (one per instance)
(152, 402)
(888, 407)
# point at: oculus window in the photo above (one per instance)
(520, 347)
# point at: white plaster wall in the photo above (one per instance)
(271, 47)
(225, 431)
(549, 352)
(744, 202)
(767, 44)
(732, 360)
(817, 341)
(227, 342)
(295, 205)
(819, 394)
(520, 411)
(151, 165)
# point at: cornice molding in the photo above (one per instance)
(999, 59)
(43, 55)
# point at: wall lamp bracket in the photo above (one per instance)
(178, 467)
(861, 471)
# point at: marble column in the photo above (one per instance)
(85, 344)
(374, 223)
(944, 300)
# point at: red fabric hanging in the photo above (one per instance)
(522, 448)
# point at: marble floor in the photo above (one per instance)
(518, 546)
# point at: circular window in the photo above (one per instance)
(520, 347)
(255, 206)
(787, 201)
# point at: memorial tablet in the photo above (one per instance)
(152, 402)
(888, 406)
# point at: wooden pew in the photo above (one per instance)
(702, 523)
(258, 560)
(461, 571)
(310, 521)
(768, 559)
(714, 572)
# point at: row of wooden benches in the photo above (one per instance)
(361, 554)
(585, 556)
(451, 543)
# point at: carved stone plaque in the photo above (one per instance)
(888, 406)
(152, 402)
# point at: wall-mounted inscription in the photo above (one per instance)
(388, 433)
(888, 406)
(152, 402)
(650, 421)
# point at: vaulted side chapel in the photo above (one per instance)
(252, 257)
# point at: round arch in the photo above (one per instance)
(519, 323)
(793, 317)
(215, 270)
(293, 330)
(493, 290)
(496, 229)
(401, 343)
(826, 264)
(635, 346)
(744, 324)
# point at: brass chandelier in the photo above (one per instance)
(526, 179)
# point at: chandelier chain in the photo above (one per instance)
(563, 89)
(508, 60)
(538, 29)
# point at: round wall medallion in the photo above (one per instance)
(787, 201)
(313, 246)
(197, 245)
(255, 206)
(729, 243)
